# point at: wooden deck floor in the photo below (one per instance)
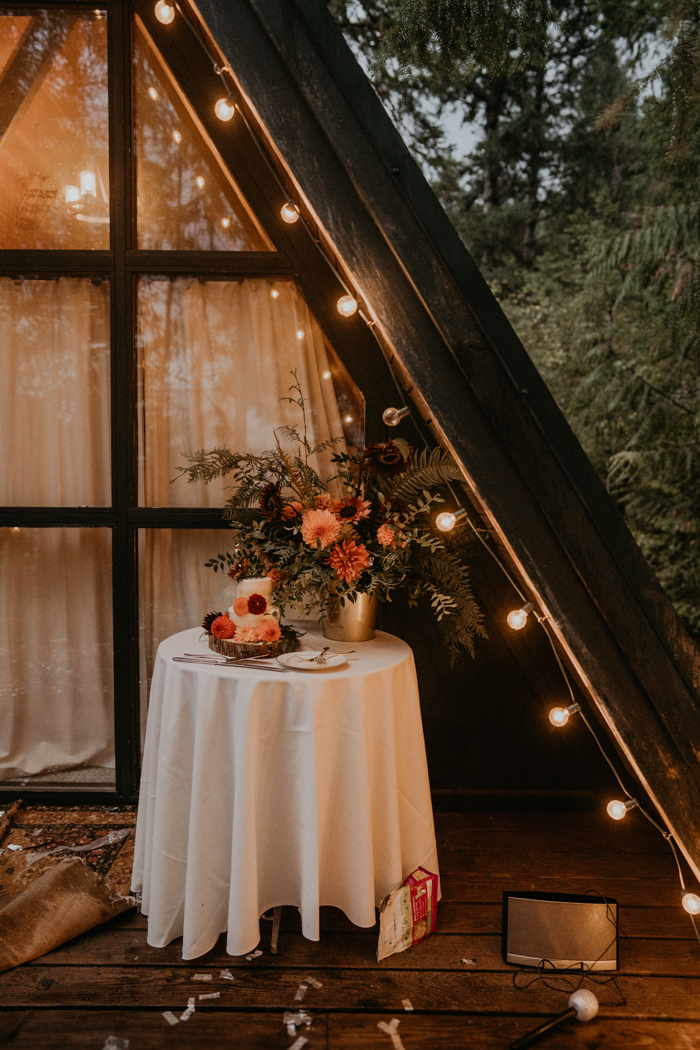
(111, 983)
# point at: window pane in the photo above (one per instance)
(176, 591)
(215, 366)
(56, 692)
(53, 130)
(54, 398)
(186, 198)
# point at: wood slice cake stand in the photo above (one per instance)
(245, 650)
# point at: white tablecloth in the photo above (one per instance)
(263, 789)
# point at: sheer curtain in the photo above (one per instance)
(56, 692)
(215, 366)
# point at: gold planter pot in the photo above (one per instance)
(352, 622)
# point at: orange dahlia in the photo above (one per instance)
(240, 606)
(349, 559)
(269, 631)
(222, 627)
(319, 526)
(386, 536)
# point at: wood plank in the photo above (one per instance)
(262, 987)
(88, 1030)
(517, 865)
(356, 950)
(642, 891)
(457, 834)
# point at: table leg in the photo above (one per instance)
(276, 919)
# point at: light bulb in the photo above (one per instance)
(15, 528)
(326, 375)
(225, 223)
(72, 194)
(347, 305)
(348, 419)
(164, 12)
(88, 184)
(518, 617)
(446, 521)
(558, 716)
(393, 416)
(224, 109)
(300, 333)
(177, 137)
(153, 94)
(289, 212)
(200, 181)
(617, 810)
(691, 903)
(275, 294)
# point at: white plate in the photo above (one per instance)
(303, 661)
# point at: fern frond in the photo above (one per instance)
(429, 468)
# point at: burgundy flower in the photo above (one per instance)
(270, 501)
(385, 458)
(256, 604)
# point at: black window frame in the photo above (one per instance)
(300, 255)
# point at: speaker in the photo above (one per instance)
(559, 930)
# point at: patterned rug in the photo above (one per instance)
(37, 829)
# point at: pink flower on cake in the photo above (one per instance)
(256, 604)
(269, 630)
(386, 536)
(350, 510)
(240, 606)
(247, 633)
(319, 526)
(349, 559)
(222, 627)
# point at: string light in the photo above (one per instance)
(617, 810)
(152, 93)
(348, 419)
(347, 305)
(225, 108)
(200, 181)
(393, 416)
(447, 519)
(177, 137)
(559, 716)
(225, 222)
(691, 903)
(15, 528)
(518, 617)
(275, 294)
(164, 12)
(326, 375)
(300, 333)
(289, 212)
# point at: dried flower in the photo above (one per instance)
(208, 621)
(271, 501)
(240, 569)
(350, 510)
(386, 536)
(269, 630)
(319, 526)
(256, 604)
(349, 559)
(223, 627)
(385, 458)
(292, 510)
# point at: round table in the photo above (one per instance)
(262, 789)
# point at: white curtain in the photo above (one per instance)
(215, 364)
(56, 691)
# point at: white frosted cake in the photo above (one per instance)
(261, 588)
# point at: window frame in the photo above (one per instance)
(298, 256)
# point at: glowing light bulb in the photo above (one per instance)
(518, 617)
(224, 109)
(72, 193)
(225, 223)
(275, 294)
(691, 903)
(15, 528)
(200, 181)
(300, 333)
(348, 419)
(177, 137)
(88, 184)
(617, 810)
(347, 305)
(164, 12)
(558, 716)
(446, 521)
(289, 212)
(326, 375)
(393, 416)
(152, 93)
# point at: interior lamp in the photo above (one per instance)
(225, 108)
(347, 305)
(691, 903)
(72, 194)
(165, 12)
(559, 716)
(617, 810)
(393, 416)
(289, 212)
(88, 184)
(447, 519)
(518, 617)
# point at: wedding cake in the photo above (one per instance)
(253, 603)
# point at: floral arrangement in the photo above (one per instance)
(222, 627)
(366, 529)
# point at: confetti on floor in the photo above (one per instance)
(301, 992)
(170, 1017)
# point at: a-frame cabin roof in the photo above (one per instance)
(472, 382)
